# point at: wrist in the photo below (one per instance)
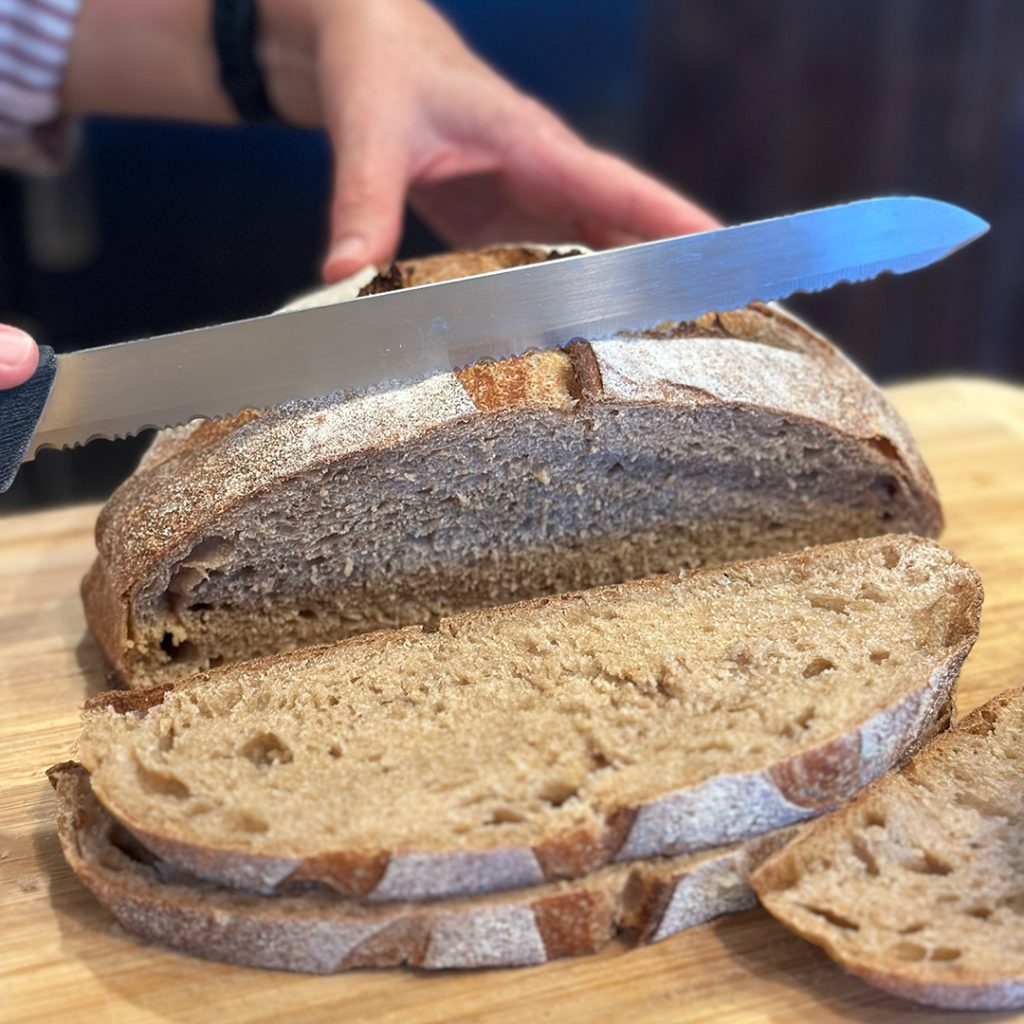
(286, 50)
(145, 58)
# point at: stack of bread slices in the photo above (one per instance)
(487, 668)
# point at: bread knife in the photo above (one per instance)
(381, 341)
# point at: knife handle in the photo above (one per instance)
(20, 409)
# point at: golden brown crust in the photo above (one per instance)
(124, 702)
(587, 383)
(106, 614)
(572, 854)
(530, 380)
(348, 873)
(446, 266)
(823, 777)
(574, 923)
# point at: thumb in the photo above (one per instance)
(18, 357)
(370, 180)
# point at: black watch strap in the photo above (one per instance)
(235, 24)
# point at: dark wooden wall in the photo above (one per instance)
(763, 107)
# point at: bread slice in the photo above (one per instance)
(314, 929)
(918, 885)
(736, 436)
(542, 740)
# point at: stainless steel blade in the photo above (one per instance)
(400, 336)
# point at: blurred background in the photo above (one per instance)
(753, 108)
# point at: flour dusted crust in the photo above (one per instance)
(757, 358)
(318, 932)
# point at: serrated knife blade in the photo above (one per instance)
(117, 390)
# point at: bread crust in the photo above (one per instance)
(923, 981)
(721, 809)
(319, 932)
(755, 358)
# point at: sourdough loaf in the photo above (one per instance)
(512, 746)
(736, 436)
(917, 885)
(314, 929)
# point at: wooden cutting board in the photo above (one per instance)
(62, 958)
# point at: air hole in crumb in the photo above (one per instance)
(887, 484)
(870, 592)
(334, 750)
(828, 602)
(556, 792)
(167, 737)
(161, 783)
(506, 816)
(615, 469)
(833, 918)
(982, 913)
(945, 953)
(890, 557)
(432, 625)
(873, 816)
(200, 606)
(185, 651)
(816, 667)
(248, 822)
(986, 808)
(929, 864)
(307, 613)
(879, 656)
(806, 716)
(912, 928)
(1014, 903)
(266, 750)
(909, 951)
(863, 853)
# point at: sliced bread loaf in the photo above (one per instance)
(314, 929)
(542, 740)
(736, 436)
(917, 886)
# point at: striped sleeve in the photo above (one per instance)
(35, 38)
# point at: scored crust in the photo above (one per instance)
(756, 358)
(884, 884)
(317, 931)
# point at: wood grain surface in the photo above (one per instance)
(62, 958)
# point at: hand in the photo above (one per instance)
(18, 357)
(412, 113)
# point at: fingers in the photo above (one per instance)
(370, 179)
(613, 201)
(369, 199)
(18, 357)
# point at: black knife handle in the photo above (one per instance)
(20, 409)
